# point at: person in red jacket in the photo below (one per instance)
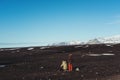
(70, 66)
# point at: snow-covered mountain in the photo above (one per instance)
(74, 42)
(102, 40)
(112, 39)
(93, 41)
(105, 40)
(67, 43)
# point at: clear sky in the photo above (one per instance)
(39, 22)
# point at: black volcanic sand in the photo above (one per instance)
(43, 63)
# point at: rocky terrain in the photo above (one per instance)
(93, 61)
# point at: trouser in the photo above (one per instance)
(70, 67)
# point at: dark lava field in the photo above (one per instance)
(95, 62)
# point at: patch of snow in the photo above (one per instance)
(86, 46)
(94, 54)
(108, 54)
(1, 66)
(78, 46)
(44, 47)
(109, 45)
(104, 54)
(30, 48)
(11, 49)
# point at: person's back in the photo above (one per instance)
(64, 65)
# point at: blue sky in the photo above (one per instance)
(39, 22)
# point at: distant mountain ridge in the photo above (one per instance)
(67, 43)
(112, 39)
(94, 41)
(102, 40)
